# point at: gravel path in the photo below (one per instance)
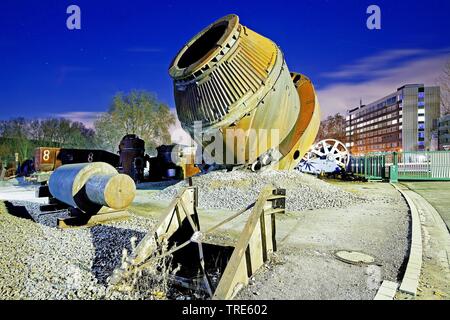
(236, 190)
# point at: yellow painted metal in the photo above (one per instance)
(234, 80)
(302, 137)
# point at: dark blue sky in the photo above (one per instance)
(47, 69)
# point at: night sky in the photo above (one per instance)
(48, 70)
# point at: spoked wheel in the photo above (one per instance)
(324, 155)
(331, 150)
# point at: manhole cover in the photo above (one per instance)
(354, 257)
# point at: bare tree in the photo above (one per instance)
(16, 132)
(444, 82)
(138, 112)
(332, 127)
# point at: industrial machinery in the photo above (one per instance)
(229, 80)
(132, 157)
(90, 186)
(326, 156)
(173, 162)
(48, 158)
(91, 192)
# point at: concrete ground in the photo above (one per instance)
(19, 190)
(437, 193)
(306, 268)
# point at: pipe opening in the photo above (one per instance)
(256, 166)
(203, 45)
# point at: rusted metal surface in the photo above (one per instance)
(132, 156)
(49, 158)
(231, 78)
(46, 159)
(297, 143)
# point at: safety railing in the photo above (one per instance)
(407, 165)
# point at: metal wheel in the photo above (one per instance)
(325, 156)
(331, 150)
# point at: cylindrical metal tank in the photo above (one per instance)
(231, 78)
(132, 156)
(89, 186)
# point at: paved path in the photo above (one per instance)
(437, 194)
(435, 275)
(21, 193)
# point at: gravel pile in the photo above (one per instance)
(41, 262)
(236, 190)
(32, 210)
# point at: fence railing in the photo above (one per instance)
(407, 165)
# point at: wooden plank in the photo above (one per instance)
(233, 275)
(254, 245)
(265, 252)
(168, 224)
(256, 249)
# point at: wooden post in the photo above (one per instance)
(256, 242)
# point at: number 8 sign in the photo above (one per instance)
(46, 155)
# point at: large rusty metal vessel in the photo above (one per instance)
(229, 78)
